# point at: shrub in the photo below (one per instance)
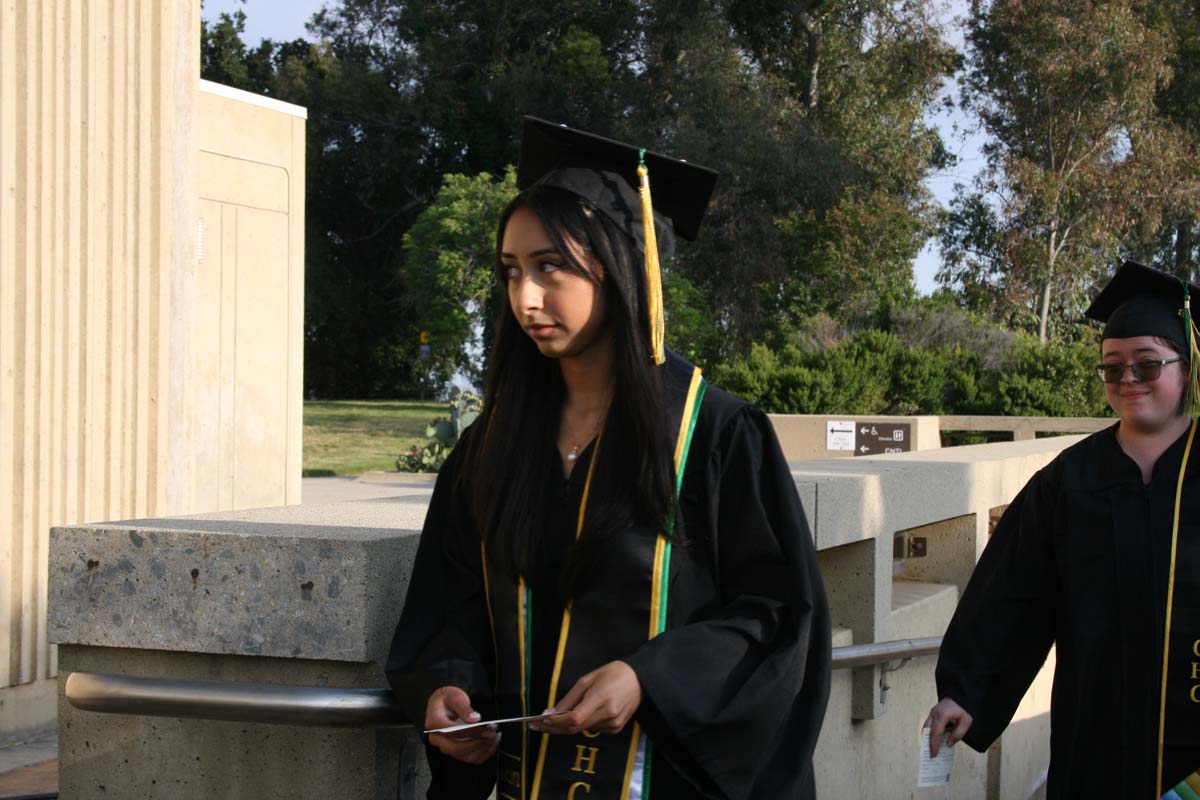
(464, 408)
(877, 372)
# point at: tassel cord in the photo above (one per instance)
(654, 296)
(1192, 334)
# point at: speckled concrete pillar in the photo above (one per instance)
(302, 595)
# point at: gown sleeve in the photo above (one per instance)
(734, 696)
(443, 635)
(1004, 625)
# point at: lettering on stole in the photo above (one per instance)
(1194, 694)
(585, 763)
(576, 786)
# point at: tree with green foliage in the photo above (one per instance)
(857, 256)
(1175, 246)
(225, 58)
(449, 268)
(367, 181)
(1079, 156)
(814, 113)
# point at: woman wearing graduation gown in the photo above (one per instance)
(1099, 555)
(612, 539)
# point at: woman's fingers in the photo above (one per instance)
(448, 706)
(947, 715)
(567, 704)
(472, 750)
(961, 726)
(603, 701)
(458, 704)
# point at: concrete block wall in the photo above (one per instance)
(867, 515)
(296, 595)
(803, 436)
(309, 594)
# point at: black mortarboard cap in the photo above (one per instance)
(1142, 301)
(604, 171)
(615, 178)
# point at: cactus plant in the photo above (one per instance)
(444, 433)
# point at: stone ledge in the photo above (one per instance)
(314, 582)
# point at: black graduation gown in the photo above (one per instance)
(1079, 560)
(734, 691)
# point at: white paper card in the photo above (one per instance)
(839, 435)
(481, 723)
(935, 771)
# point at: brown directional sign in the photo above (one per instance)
(874, 438)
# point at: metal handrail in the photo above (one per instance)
(864, 655)
(234, 702)
(328, 707)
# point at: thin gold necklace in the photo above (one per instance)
(574, 454)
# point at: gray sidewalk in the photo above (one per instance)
(29, 764)
(368, 486)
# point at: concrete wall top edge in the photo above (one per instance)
(253, 99)
(357, 520)
(973, 454)
(292, 596)
(240, 529)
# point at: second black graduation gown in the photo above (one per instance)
(1079, 560)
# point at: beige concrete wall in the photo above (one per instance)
(248, 345)
(95, 101)
(878, 591)
(136, 379)
(857, 508)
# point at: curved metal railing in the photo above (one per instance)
(235, 702)
(864, 655)
(329, 707)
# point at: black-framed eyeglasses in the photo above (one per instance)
(1148, 369)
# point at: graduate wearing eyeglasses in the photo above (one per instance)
(1099, 555)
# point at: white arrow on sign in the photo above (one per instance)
(863, 449)
(863, 429)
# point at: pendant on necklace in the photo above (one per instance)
(574, 454)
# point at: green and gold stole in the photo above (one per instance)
(1178, 733)
(610, 617)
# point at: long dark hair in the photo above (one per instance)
(508, 472)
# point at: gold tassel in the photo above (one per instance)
(1189, 328)
(654, 298)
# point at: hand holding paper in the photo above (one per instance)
(935, 770)
(466, 726)
(450, 708)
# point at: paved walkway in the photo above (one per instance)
(30, 767)
(368, 486)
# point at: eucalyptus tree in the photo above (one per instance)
(1079, 160)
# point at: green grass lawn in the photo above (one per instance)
(345, 437)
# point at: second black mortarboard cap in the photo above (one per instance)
(1142, 301)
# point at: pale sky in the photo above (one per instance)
(960, 140)
(285, 19)
(282, 20)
